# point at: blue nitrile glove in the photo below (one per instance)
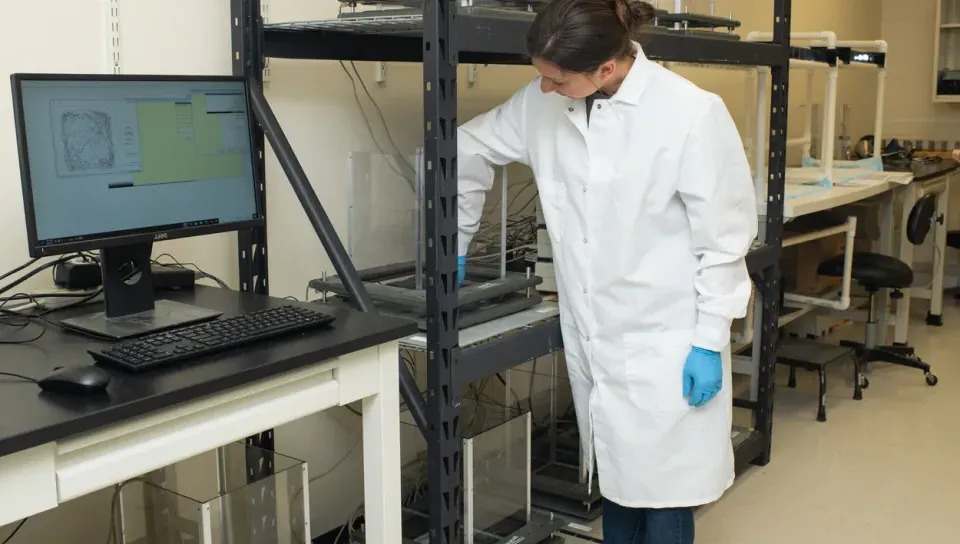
(461, 269)
(702, 376)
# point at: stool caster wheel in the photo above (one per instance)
(865, 384)
(931, 379)
(822, 415)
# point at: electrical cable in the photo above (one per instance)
(112, 528)
(13, 375)
(19, 268)
(383, 121)
(337, 464)
(15, 531)
(366, 121)
(26, 317)
(33, 273)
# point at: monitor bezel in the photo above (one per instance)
(149, 235)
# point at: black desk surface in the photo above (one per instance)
(31, 417)
(923, 170)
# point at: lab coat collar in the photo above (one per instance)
(636, 80)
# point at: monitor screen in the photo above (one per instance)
(123, 158)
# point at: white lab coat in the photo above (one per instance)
(650, 211)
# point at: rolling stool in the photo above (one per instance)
(873, 272)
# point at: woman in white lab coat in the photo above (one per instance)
(648, 200)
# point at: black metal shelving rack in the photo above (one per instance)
(442, 37)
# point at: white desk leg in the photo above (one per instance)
(935, 316)
(381, 452)
(885, 248)
(906, 255)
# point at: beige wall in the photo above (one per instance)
(849, 19)
(911, 112)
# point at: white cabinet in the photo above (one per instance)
(946, 62)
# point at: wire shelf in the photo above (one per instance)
(400, 21)
(400, 24)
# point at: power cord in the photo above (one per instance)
(19, 268)
(6, 315)
(13, 375)
(15, 531)
(366, 121)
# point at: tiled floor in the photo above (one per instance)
(882, 470)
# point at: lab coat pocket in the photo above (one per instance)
(653, 368)
(554, 202)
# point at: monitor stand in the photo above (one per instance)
(130, 308)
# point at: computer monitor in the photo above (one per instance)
(115, 163)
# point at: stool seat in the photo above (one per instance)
(953, 239)
(871, 270)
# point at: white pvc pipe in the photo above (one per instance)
(808, 118)
(815, 235)
(860, 66)
(850, 227)
(825, 36)
(829, 123)
(759, 139)
(800, 64)
(503, 222)
(878, 123)
(749, 96)
(677, 8)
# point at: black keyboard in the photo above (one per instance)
(184, 344)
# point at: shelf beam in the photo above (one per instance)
(500, 40)
(444, 461)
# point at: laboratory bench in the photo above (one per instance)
(57, 447)
(903, 183)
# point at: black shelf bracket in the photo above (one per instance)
(769, 286)
(248, 61)
(444, 462)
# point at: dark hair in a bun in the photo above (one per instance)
(580, 35)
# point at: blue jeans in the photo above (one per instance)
(622, 525)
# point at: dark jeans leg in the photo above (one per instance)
(622, 525)
(668, 526)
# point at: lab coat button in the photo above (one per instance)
(569, 109)
(588, 339)
(584, 189)
(584, 240)
(584, 291)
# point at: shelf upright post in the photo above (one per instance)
(246, 24)
(440, 169)
(773, 232)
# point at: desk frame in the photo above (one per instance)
(938, 186)
(45, 476)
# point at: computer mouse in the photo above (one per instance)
(76, 380)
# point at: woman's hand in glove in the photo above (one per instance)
(702, 376)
